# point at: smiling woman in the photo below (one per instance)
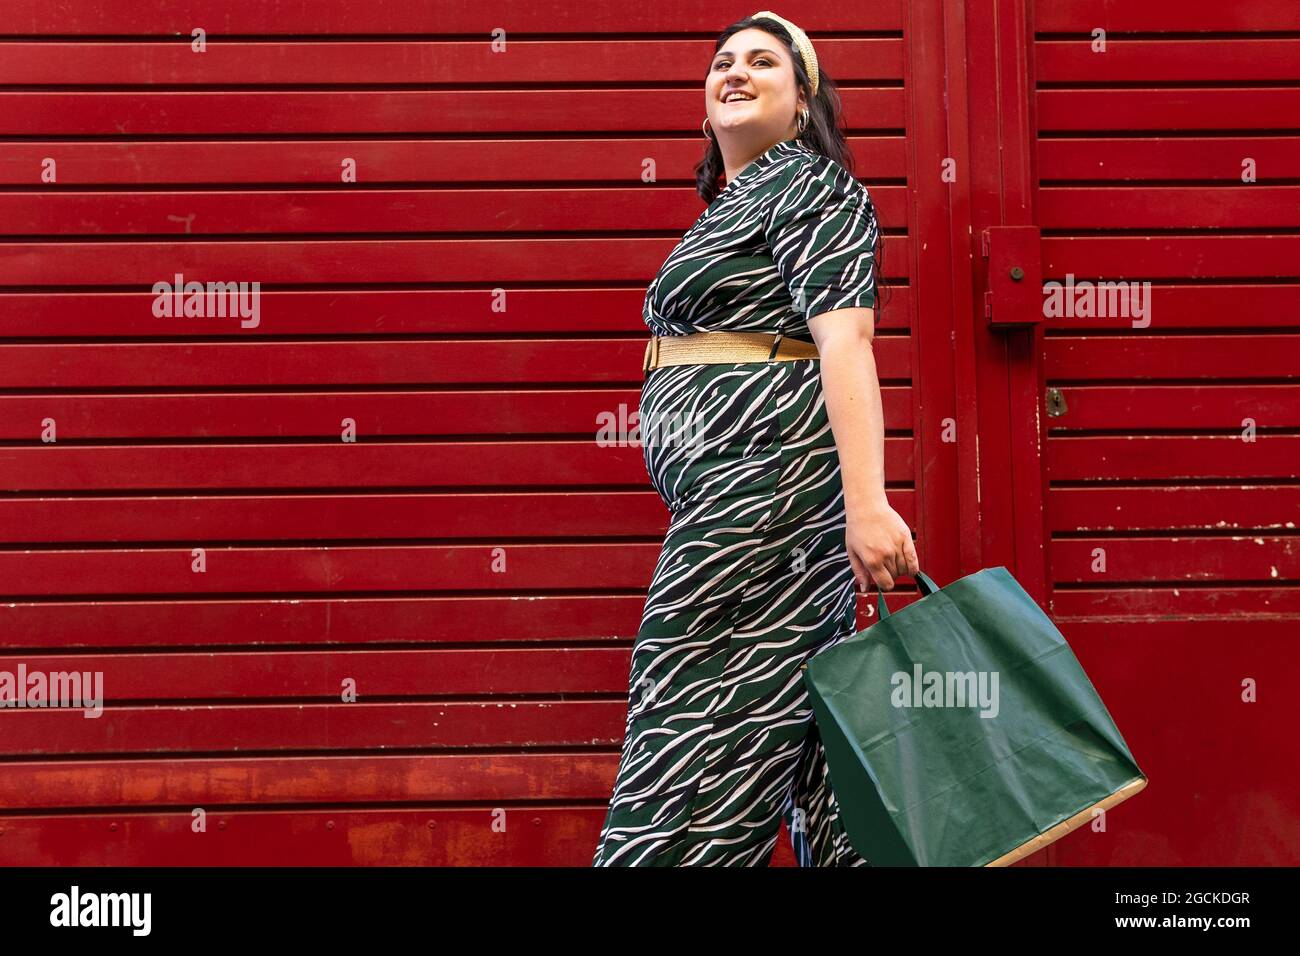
(758, 570)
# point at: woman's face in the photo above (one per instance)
(755, 63)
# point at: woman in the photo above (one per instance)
(773, 468)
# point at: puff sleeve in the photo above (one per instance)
(822, 231)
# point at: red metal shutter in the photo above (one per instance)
(475, 560)
(1172, 447)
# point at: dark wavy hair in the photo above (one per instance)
(822, 134)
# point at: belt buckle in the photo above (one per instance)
(651, 354)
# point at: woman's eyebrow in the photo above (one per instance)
(751, 52)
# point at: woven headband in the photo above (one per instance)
(801, 43)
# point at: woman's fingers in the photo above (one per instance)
(909, 555)
(893, 565)
(860, 577)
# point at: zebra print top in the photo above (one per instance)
(791, 236)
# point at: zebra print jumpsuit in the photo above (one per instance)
(754, 577)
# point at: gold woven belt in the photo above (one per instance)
(712, 348)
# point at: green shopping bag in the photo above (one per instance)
(961, 730)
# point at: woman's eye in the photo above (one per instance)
(725, 63)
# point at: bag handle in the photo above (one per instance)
(923, 584)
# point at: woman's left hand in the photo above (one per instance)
(880, 547)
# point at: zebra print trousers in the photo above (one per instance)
(753, 580)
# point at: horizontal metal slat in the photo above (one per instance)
(385, 362)
(1161, 16)
(312, 727)
(1121, 158)
(231, 570)
(262, 622)
(1234, 208)
(242, 781)
(342, 465)
(1197, 407)
(387, 112)
(1190, 508)
(1160, 62)
(341, 210)
(1147, 355)
(317, 17)
(1182, 108)
(1173, 458)
(1209, 560)
(370, 261)
(603, 61)
(1139, 258)
(424, 836)
(324, 676)
(319, 414)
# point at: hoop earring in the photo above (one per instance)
(708, 133)
(805, 116)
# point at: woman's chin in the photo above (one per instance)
(740, 123)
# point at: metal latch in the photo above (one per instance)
(1015, 276)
